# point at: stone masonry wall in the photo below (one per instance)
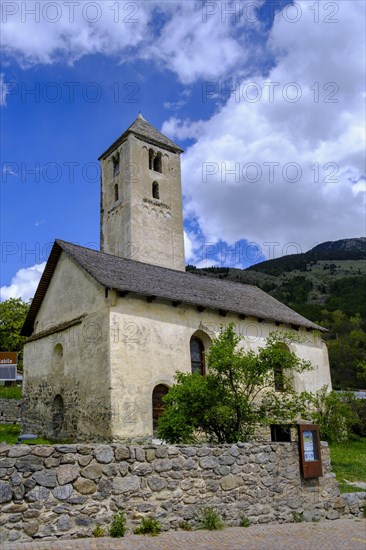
(10, 411)
(65, 490)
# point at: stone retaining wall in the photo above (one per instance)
(10, 411)
(65, 490)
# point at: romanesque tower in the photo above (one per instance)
(141, 198)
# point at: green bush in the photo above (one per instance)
(335, 414)
(148, 526)
(359, 407)
(118, 527)
(210, 520)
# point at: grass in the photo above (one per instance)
(9, 433)
(348, 462)
(10, 392)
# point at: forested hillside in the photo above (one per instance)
(328, 286)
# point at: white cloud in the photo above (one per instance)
(325, 140)
(24, 283)
(175, 35)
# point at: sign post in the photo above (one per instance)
(309, 447)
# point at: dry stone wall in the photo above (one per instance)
(10, 411)
(65, 490)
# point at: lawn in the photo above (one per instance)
(10, 392)
(348, 462)
(9, 434)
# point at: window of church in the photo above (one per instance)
(155, 190)
(197, 356)
(158, 163)
(115, 161)
(158, 405)
(279, 372)
(151, 159)
(116, 193)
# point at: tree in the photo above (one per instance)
(12, 316)
(236, 394)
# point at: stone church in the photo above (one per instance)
(107, 330)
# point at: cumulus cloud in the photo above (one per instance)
(175, 35)
(24, 283)
(279, 170)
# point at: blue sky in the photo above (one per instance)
(269, 110)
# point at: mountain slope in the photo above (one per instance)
(327, 285)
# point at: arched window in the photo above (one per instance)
(115, 161)
(151, 159)
(197, 356)
(158, 165)
(155, 190)
(158, 405)
(58, 358)
(278, 371)
(116, 194)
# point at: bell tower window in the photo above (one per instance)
(158, 163)
(115, 161)
(116, 193)
(151, 159)
(155, 190)
(155, 161)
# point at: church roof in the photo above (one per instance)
(129, 276)
(144, 130)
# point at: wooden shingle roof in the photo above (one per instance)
(129, 276)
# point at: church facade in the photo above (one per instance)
(107, 330)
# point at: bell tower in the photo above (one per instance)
(141, 198)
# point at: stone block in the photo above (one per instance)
(85, 486)
(230, 482)
(67, 473)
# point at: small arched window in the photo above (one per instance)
(58, 358)
(278, 370)
(197, 356)
(116, 193)
(115, 161)
(151, 159)
(158, 164)
(155, 190)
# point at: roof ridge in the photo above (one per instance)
(188, 273)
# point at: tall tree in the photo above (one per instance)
(12, 316)
(237, 393)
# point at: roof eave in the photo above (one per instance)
(43, 285)
(173, 148)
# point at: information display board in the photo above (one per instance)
(309, 447)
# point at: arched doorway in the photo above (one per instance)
(158, 406)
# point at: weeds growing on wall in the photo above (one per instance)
(244, 521)
(210, 520)
(148, 526)
(118, 526)
(98, 532)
